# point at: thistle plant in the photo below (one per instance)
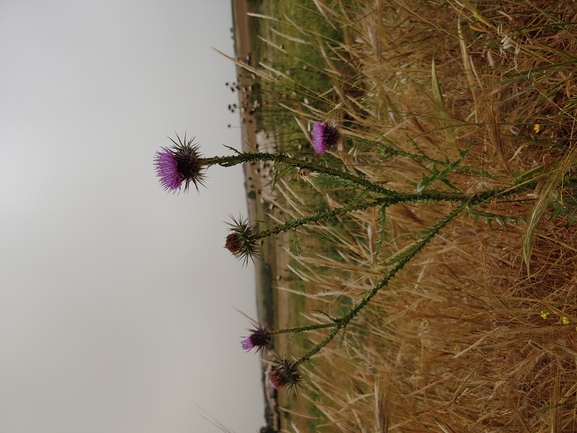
(434, 320)
(261, 337)
(182, 164)
(286, 370)
(243, 239)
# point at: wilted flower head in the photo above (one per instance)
(242, 241)
(325, 137)
(285, 373)
(179, 165)
(260, 337)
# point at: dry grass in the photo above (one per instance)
(463, 338)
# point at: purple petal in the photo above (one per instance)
(318, 134)
(167, 170)
(247, 344)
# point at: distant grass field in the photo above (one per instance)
(477, 332)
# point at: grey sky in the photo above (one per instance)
(116, 298)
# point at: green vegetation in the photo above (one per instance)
(475, 329)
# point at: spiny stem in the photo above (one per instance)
(385, 201)
(304, 328)
(345, 319)
(228, 161)
(321, 215)
(355, 205)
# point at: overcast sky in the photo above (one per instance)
(117, 299)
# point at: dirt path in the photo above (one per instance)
(249, 136)
(242, 45)
(256, 207)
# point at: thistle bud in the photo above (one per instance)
(285, 374)
(260, 338)
(242, 240)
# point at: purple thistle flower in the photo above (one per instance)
(325, 137)
(260, 337)
(285, 374)
(167, 170)
(179, 165)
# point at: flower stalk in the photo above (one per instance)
(229, 161)
(260, 337)
(344, 320)
(304, 328)
(243, 241)
(397, 197)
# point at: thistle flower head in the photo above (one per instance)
(325, 137)
(260, 337)
(180, 165)
(242, 240)
(285, 373)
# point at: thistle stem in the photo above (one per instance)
(229, 161)
(385, 201)
(304, 328)
(345, 319)
(399, 197)
(321, 215)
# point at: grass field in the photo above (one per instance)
(471, 320)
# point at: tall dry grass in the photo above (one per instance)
(468, 336)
